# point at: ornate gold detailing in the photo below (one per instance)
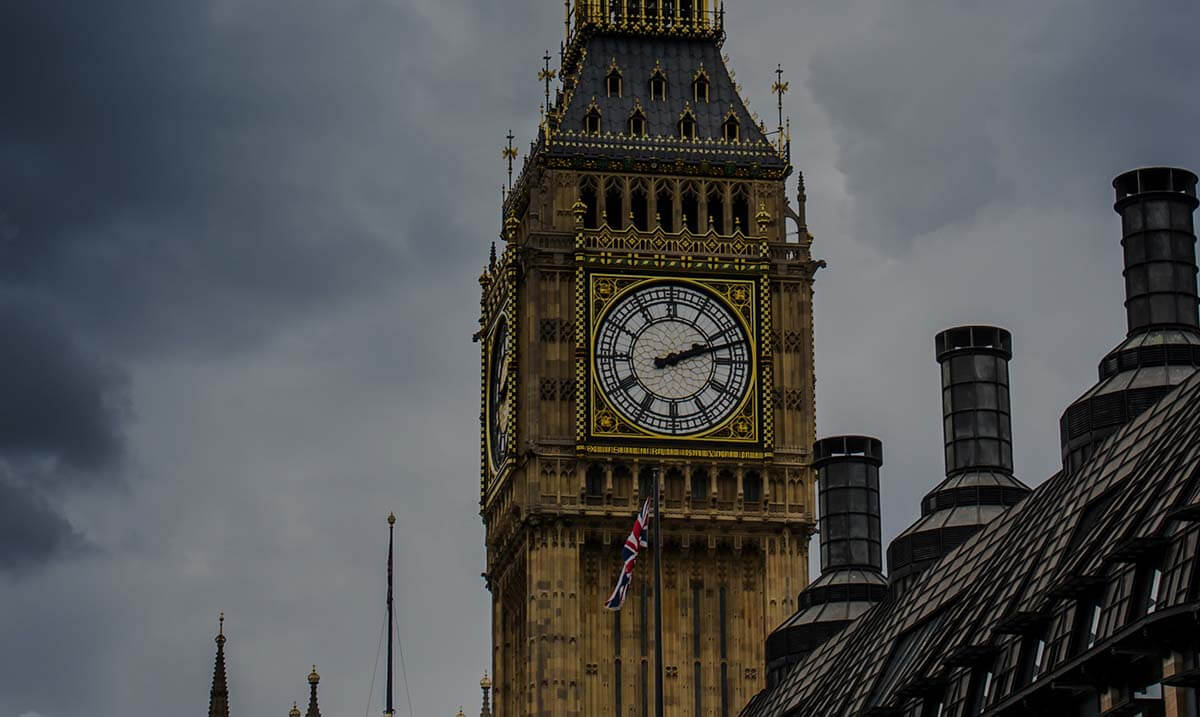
(510, 229)
(603, 422)
(762, 218)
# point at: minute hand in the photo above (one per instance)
(672, 359)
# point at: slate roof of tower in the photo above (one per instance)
(680, 59)
(1075, 532)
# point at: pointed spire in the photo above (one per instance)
(486, 685)
(313, 680)
(218, 697)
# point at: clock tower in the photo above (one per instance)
(651, 310)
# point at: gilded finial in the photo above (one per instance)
(313, 677)
(295, 710)
(510, 153)
(763, 217)
(221, 628)
(510, 228)
(460, 712)
(579, 209)
(391, 521)
(486, 682)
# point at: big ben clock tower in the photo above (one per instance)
(651, 310)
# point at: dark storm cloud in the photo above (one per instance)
(59, 428)
(31, 531)
(61, 405)
(940, 109)
(177, 178)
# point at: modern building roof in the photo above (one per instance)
(1075, 546)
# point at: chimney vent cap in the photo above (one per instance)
(863, 448)
(974, 340)
(1154, 180)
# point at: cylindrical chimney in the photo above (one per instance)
(976, 418)
(852, 580)
(1156, 206)
(1162, 348)
(977, 430)
(848, 495)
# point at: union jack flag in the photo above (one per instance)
(629, 552)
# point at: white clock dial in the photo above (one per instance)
(672, 358)
(498, 390)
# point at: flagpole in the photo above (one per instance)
(658, 631)
(390, 618)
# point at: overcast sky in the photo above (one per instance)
(239, 242)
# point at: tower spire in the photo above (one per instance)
(486, 685)
(313, 680)
(218, 696)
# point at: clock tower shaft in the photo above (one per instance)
(647, 168)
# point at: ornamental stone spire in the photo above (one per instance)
(218, 696)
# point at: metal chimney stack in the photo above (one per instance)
(1162, 346)
(977, 431)
(851, 579)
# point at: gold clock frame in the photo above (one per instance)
(498, 302)
(745, 433)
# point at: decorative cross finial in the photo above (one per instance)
(510, 153)
(779, 88)
(221, 624)
(546, 74)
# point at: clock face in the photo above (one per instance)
(498, 390)
(672, 358)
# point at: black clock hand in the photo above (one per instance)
(674, 358)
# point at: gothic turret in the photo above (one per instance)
(851, 579)
(218, 696)
(977, 429)
(485, 685)
(313, 680)
(1162, 346)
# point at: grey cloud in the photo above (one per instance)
(32, 532)
(940, 109)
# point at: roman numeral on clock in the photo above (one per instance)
(628, 382)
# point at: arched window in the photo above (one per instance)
(646, 483)
(591, 121)
(716, 208)
(587, 195)
(731, 130)
(700, 85)
(726, 489)
(690, 205)
(665, 207)
(699, 487)
(639, 205)
(594, 485)
(622, 483)
(612, 82)
(687, 124)
(658, 83)
(637, 120)
(673, 487)
(612, 205)
(752, 490)
(741, 209)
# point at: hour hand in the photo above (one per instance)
(675, 357)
